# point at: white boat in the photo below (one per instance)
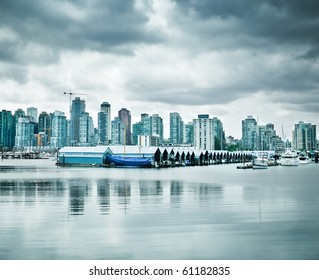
(304, 159)
(289, 158)
(261, 161)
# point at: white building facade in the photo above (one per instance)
(203, 133)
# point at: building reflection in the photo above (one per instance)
(103, 196)
(78, 191)
(28, 191)
(209, 192)
(176, 191)
(122, 189)
(150, 191)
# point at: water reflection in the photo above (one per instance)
(122, 188)
(209, 192)
(27, 191)
(151, 192)
(176, 190)
(78, 191)
(103, 196)
(30, 193)
(150, 188)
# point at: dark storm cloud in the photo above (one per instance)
(277, 21)
(73, 25)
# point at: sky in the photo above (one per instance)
(228, 59)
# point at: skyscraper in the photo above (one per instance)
(137, 130)
(104, 124)
(176, 128)
(33, 113)
(156, 127)
(145, 124)
(117, 132)
(305, 136)
(219, 135)
(44, 128)
(78, 107)
(6, 130)
(188, 133)
(203, 133)
(59, 130)
(249, 133)
(125, 117)
(25, 137)
(86, 130)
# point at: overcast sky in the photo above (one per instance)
(229, 59)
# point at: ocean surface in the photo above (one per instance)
(211, 212)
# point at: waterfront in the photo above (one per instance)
(207, 212)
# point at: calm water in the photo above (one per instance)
(213, 212)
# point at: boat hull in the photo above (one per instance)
(260, 166)
(289, 158)
(289, 162)
(260, 163)
(128, 161)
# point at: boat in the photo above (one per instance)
(122, 161)
(289, 158)
(261, 161)
(304, 159)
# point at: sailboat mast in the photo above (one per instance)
(124, 139)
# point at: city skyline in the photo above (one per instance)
(228, 60)
(167, 130)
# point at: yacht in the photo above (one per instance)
(303, 159)
(261, 161)
(289, 158)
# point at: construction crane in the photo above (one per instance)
(72, 93)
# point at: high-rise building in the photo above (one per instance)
(176, 128)
(32, 112)
(44, 128)
(117, 132)
(19, 113)
(125, 117)
(78, 107)
(266, 137)
(59, 130)
(305, 136)
(86, 130)
(156, 127)
(146, 124)
(249, 133)
(137, 130)
(104, 124)
(25, 137)
(7, 128)
(203, 133)
(188, 133)
(219, 135)
(151, 127)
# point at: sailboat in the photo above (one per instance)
(124, 161)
